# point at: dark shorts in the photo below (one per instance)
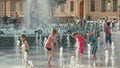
(94, 49)
(108, 39)
(49, 49)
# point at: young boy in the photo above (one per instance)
(94, 44)
(50, 44)
(80, 40)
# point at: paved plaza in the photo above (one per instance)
(9, 58)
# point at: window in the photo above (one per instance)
(92, 5)
(1, 7)
(21, 7)
(62, 7)
(71, 5)
(103, 5)
(114, 5)
(14, 6)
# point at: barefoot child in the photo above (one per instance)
(50, 44)
(80, 40)
(25, 49)
(94, 44)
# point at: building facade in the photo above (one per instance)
(93, 9)
(9, 7)
(90, 9)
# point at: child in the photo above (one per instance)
(80, 40)
(50, 44)
(25, 49)
(94, 44)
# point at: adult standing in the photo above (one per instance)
(16, 19)
(108, 33)
(5, 19)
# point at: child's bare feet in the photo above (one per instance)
(49, 65)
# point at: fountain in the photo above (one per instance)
(77, 54)
(45, 39)
(112, 55)
(29, 2)
(40, 45)
(99, 48)
(94, 65)
(17, 43)
(106, 58)
(61, 60)
(37, 46)
(68, 44)
(72, 62)
(18, 51)
(89, 49)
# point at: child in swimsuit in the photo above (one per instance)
(25, 49)
(80, 40)
(50, 44)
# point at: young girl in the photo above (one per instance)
(25, 49)
(80, 40)
(50, 44)
(94, 43)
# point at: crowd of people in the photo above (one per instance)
(13, 19)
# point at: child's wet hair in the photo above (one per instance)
(23, 35)
(91, 34)
(54, 31)
(108, 23)
(74, 33)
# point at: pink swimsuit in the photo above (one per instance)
(49, 44)
(81, 40)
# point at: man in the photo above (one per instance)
(5, 19)
(108, 33)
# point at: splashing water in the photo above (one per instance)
(106, 58)
(94, 65)
(72, 62)
(68, 40)
(89, 48)
(17, 43)
(112, 55)
(77, 54)
(29, 2)
(68, 45)
(45, 39)
(37, 48)
(61, 60)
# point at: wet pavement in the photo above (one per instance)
(10, 59)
